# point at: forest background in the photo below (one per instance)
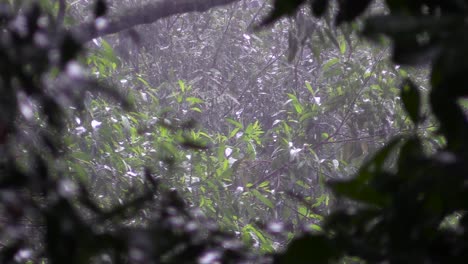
(231, 125)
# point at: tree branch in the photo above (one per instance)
(61, 12)
(146, 14)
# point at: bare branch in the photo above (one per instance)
(146, 14)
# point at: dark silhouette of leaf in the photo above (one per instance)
(100, 8)
(319, 7)
(69, 49)
(307, 249)
(293, 46)
(411, 100)
(348, 10)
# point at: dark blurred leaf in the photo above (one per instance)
(106, 90)
(149, 178)
(411, 100)
(359, 188)
(100, 8)
(53, 111)
(359, 192)
(7, 254)
(32, 16)
(69, 49)
(348, 10)
(189, 143)
(416, 40)
(319, 7)
(293, 46)
(309, 249)
(376, 163)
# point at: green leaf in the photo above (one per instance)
(297, 105)
(108, 52)
(411, 100)
(330, 63)
(343, 46)
(182, 86)
(194, 100)
(234, 132)
(263, 199)
(316, 227)
(196, 109)
(309, 87)
(235, 123)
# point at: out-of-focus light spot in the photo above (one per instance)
(210, 257)
(67, 188)
(74, 70)
(275, 227)
(101, 23)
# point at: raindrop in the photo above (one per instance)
(80, 130)
(276, 227)
(131, 174)
(317, 100)
(239, 190)
(144, 96)
(95, 124)
(97, 42)
(227, 152)
(231, 161)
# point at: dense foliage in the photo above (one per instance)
(231, 130)
(400, 211)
